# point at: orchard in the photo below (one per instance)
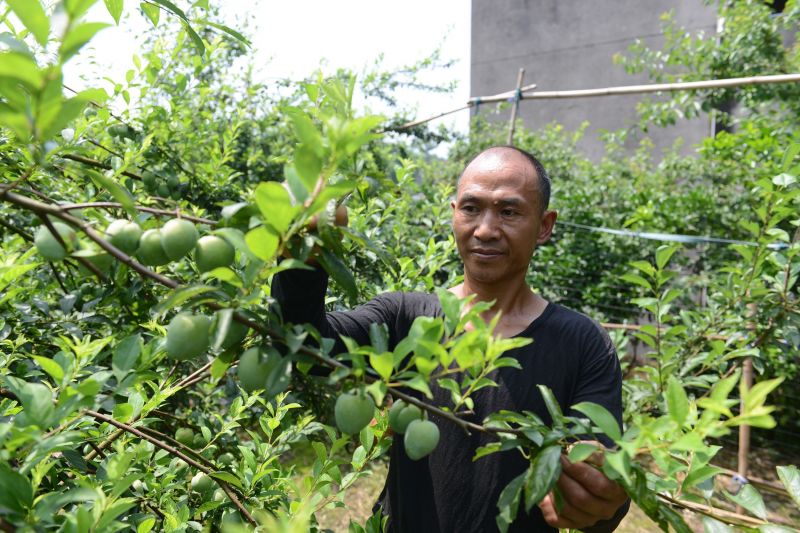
(149, 382)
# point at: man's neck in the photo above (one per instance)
(514, 300)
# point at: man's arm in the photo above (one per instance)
(301, 297)
(592, 502)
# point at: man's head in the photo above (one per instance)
(535, 164)
(500, 214)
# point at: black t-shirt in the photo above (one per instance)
(448, 491)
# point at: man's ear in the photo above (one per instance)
(546, 227)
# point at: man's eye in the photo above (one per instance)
(508, 212)
(469, 209)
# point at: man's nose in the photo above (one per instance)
(488, 227)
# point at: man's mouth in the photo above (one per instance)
(486, 253)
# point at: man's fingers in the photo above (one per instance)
(592, 480)
(582, 505)
(553, 518)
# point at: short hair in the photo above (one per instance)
(541, 173)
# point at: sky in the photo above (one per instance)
(294, 38)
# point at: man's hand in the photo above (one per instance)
(588, 495)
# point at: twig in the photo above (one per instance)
(130, 429)
(153, 210)
(98, 164)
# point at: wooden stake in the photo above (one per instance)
(744, 430)
(515, 108)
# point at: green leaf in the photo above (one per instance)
(52, 368)
(262, 242)
(618, 463)
(715, 526)
(340, 273)
(306, 131)
(552, 405)
(544, 473)
(179, 296)
(36, 400)
(16, 492)
(789, 156)
(227, 477)
(77, 37)
(233, 33)
(33, 16)
(126, 353)
(383, 363)
(308, 165)
(790, 477)
(20, 67)
(114, 8)
(581, 451)
(146, 525)
(749, 498)
(601, 418)
(677, 402)
(152, 12)
(275, 205)
(122, 412)
(120, 193)
(757, 394)
(508, 502)
(76, 8)
(664, 254)
(636, 279)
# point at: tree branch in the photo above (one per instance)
(169, 449)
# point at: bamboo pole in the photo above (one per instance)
(515, 107)
(613, 91)
(742, 459)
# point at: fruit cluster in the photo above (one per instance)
(153, 247)
(353, 411)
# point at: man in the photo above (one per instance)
(500, 215)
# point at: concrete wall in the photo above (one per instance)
(569, 44)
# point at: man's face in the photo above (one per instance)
(497, 217)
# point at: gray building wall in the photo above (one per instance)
(569, 44)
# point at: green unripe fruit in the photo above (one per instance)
(202, 483)
(236, 332)
(402, 414)
(178, 237)
(176, 194)
(162, 190)
(226, 459)
(253, 370)
(353, 412)
(173, 182)
(187, 336)
(421, 438)
(149, 180)
(125, 235)
(219, 495)
(199, 441)
(48, 246)
(185, 436)
(213, 252)
(150, 251)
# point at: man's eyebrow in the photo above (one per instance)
(505, 202)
